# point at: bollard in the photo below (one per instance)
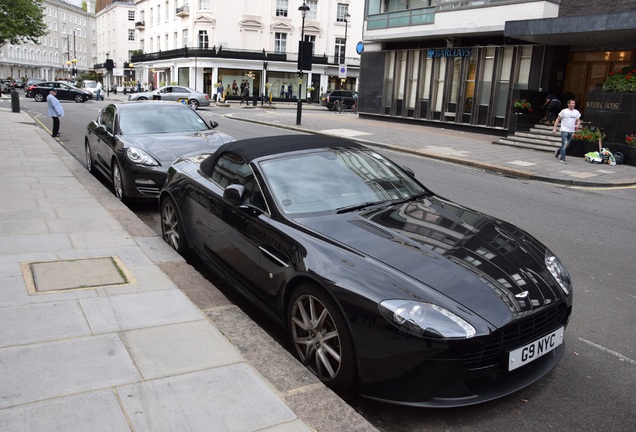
(15, 102)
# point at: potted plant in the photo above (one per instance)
(522, 106)
(585, 140)
(622, 81)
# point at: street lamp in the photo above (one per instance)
(107, 76)
(344, 55)
(68, 64)
(299, 107)
(74, 67)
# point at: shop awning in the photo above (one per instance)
(601, 31)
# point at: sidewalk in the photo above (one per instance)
(98, 333)
(466, 148)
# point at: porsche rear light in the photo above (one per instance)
(207, 97)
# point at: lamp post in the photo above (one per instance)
(299, 107)
(74, 67)
(107, 76)
(74, 56)
(68, 64)
(344, 56)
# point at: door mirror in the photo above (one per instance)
(213, 124)
(234, 194)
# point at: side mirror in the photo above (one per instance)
(100, 129)
(213, 124)
(409, 171)
(234, 194)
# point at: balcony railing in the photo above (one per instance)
(140, 25)
(183, 11)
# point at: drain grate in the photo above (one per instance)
(72, 274)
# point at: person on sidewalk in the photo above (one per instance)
(570, 119)
(55, 111)
(552, 107)
(98, 91)
(246, 94)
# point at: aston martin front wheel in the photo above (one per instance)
(172, 227)
(320, 337)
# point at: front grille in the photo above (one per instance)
(519, 333)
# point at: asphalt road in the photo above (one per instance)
(592, 231)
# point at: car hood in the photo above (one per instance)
(484, 264)
(167, 147)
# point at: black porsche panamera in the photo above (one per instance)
(383, 286)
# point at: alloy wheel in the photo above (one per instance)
(118, 182)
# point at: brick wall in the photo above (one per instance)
(588, 7)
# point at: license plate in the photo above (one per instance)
(534, 350)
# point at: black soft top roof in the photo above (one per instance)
(254, 148)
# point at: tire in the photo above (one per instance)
(38, 97)
(89, 158)
(79, 98)
(118, 182)
(320, 337)
(172, 227)
(194, 104)
(142, 98)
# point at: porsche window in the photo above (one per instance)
(334, 179)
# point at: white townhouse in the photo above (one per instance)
(65, 51)
(199, 43)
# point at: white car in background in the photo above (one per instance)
(90, 86)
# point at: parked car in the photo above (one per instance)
(193, 97)
(19, 83)
(31, 82)
(134, 143)
(7, 85)
(65, 91)
(348, 98)
(323, 98)
(381, 284)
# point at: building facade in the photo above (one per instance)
(465, 62)
(65, 51)
(201, 43)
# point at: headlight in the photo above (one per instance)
(425, 319)
(558, 271)
(140, 157)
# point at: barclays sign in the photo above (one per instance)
(449, 52)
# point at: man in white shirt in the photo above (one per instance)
(98, 92)
(570, 119)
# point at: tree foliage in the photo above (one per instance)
(21, 21)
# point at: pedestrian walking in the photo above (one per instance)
(245, 94)
(98, 91)
(219, 91)
(552, 107)
(138, 87)
(55, 111)
(570, 119)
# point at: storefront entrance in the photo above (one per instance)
(587, 71)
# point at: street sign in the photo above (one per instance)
(342, 71)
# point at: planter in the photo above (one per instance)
(580, 148)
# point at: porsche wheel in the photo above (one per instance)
(320, 337)
(172, 227)
(118, 182)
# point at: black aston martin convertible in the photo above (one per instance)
(382, 285)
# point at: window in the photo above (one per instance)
(131, 34)
(184, 37)
(158, 43)
(151, 16)
(176, 40)
(142, 15)
(343, 9)
(204, 4)
(232, 169)
(281, 8)
(167, 11)
(131, 15)
(141, 44)
(203, 39)
(166, 42)
(312, 14)
(280, 43)
(158, 14)
(339, 51)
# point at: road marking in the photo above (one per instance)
(620, 356)
(603, 187)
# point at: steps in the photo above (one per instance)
(539, 137)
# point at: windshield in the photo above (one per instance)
(336, 180)
(90, 84)
(155, 118)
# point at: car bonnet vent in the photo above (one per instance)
(372, 229)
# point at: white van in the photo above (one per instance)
(90, 86)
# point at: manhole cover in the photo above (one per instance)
(76, 274)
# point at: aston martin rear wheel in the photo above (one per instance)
(320, 337)
(172, 227)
